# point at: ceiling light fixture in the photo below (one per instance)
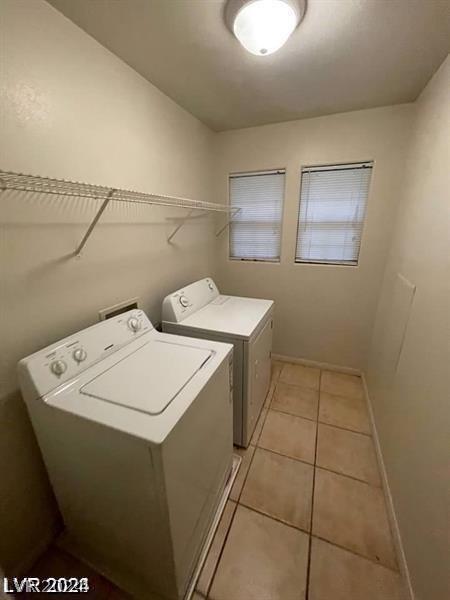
(263, 26)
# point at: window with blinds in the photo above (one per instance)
(331, 214)
(255, 230)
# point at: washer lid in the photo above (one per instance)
(149, 378)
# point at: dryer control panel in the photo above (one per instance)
(188, 300)
(64, 360)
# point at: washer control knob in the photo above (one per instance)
(184, 301)
(134, 324)
(211, 287)
(58, 367)
(79, 355)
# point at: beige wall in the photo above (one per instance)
(323, 313)
(411, 402)
(70, 109)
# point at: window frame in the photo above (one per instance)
(331, 263)
(279, 170)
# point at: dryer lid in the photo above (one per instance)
(149, 378)
(230, 315)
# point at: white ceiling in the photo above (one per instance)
(346, 55)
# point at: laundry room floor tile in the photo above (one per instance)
(209, 567)
(341, 384)
(280, 487)
(295, 400)
(246, 454)
(262, 559)
(270, 393)
(275, 374)
(258, 427)
(349, 413)
(277, 365)
(300, 375)
(289, 435)
(352, 514)
(337, 574)
(348, 453)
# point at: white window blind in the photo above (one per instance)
(255, 231)
(333, 203)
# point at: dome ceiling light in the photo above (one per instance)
(263, 26)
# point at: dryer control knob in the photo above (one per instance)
(79, 355)
(184, 301)
(58, 367)
(134, 324)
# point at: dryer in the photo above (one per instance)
(135, 428)
(200, 311)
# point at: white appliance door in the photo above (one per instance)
(197, 458)
(260, 368)
(149, 378)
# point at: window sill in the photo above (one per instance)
(326, 263)
(255, 260)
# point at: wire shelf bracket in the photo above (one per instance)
(180, 225)
(233, 212)
(94, 222)
(61, 187)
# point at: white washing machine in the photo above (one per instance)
(198, 310)
(135, 427)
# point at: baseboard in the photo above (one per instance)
(395, 530)
(315, 363)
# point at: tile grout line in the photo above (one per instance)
(369, 483)
(308, 566)
(277, 519)
(354, 553)
(313, 465)
(246, 475)
(304, 462)
(237, 502)
(285, 412)
(208, 589)
(317, 537)
(310, 535)
(369, 435)
(275, 383)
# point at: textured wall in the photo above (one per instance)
(71, 109)
(322, 312)
(410, 392)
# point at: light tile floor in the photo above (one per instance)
(306, 518)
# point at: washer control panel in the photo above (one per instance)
(58, 367)
(64, 360)
(134, 324)
(79, 355)
(182, 303)
(183, 300)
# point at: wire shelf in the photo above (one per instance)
(61, 187)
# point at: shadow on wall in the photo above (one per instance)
(3, 595)
(29, 517)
